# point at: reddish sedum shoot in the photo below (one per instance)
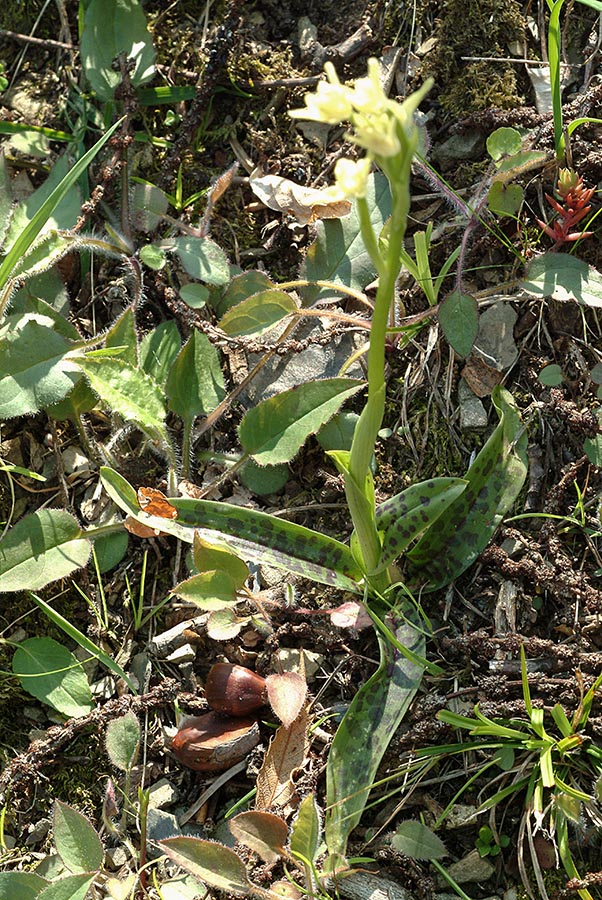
(571, 206)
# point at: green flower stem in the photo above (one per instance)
(358, 478)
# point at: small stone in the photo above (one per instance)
(472, 868)
(116, 857)
(473, 416)
(162, 794)
(185, 653)
(460, 816)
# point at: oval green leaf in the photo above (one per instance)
(257, 314)
(459, 320)
(77, 842)
(52, 674)
(275, 430)
(212, 863)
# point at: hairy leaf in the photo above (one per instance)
(52, 674)
(122, 741)
(195, 384)
(77, 842)
(129, 392)
(212, 863)
(262, 832)
(257, 314)
(203, 259)
(40, 548)
(34, 369)
(275, 430)
(459, 320)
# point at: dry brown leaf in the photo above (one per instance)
(137, 528)
(286, 693)
(304, 203)
(286, 753)
(480, 378)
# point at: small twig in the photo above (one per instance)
(29, 39)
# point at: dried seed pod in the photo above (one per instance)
(234, 690)
(211, 743)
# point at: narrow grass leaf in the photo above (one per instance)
(77, 842)
(83, 641)
(41, 548)
(52, 674)
(28, 235)
(275, 430)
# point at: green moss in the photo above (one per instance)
(472, 28)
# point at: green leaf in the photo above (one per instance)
(505, 199)
(6, 198)
(306, 830)
(64, 215)
(404, 517)
(83, 641)
(503, 142)
(194, 295)
(195, 385)
(153, 256)
(459, 320)
(48, 250)
(122, 741)
(81, 399)
(149, 204)
(240, 288)
(34, 369)
(495, 479)
(275, 430)
(109, 550)
(77, 842)
(208, 557)
(158, 350)
(252, 535)
(262, 832)
(257, 314)
(29, 234)
(112, 27)
(52, 674)
(212, 863)
(71, 887)
(563, 277)
(338, 254)
(202, 259)
(41, 548)
(21, 885)
(337, 434)
(365, 733)
(122, 333)
(592, 447)
(551, 375)
(263, 479)
(208, 590)
(415, 840)
(129, 392)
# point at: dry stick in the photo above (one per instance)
(219, 47)
(26, 767)
(29, 39)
